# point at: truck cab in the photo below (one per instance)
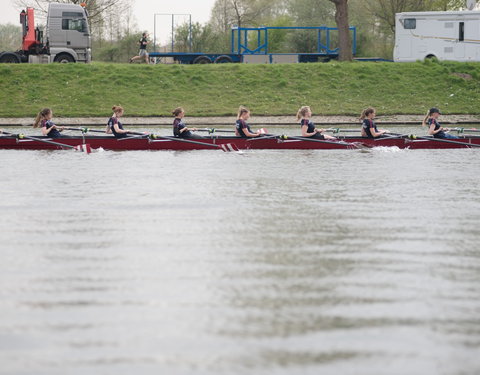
(66, 37)
(68, 33)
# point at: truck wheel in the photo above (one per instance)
(202, 60)
(9, 58)
(223, 59)
(431, 58)
(64, 58)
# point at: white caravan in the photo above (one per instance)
(444, 35)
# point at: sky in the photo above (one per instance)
(143, 11)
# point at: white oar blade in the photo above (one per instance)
(84, 148)
(229, 147)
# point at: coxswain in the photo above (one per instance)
(180, 129)
(434, 127)
(309, 130)
(44, 121)
(369, 128)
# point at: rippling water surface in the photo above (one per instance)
(265, 262)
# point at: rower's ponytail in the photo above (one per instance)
(177, 111)
(41, 116)
(117, 109)
(366, 112)
(302, 112)
(424, 122)
(241, 111)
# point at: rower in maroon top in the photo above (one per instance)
(369, 128)
(114, 125)
(180, 129)
(242, 129)
(304, 114)
(44, 121)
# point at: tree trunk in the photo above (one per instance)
(345, 40)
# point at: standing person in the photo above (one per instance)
(179, 128)
(44, 121)
(434, 127)
(114, 125)
(304, 114)
(142, 54)
(242, 129)
(369, 128)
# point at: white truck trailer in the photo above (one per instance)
(442, 35)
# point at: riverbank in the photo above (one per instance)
(331, 89)
(258, 120)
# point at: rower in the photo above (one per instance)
(242, 129)
(434, 127)
(114, 125)
(180, 129)
(308, 127)
(369, 128)
(44, 121)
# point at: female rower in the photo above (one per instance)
(180, 129)
(308, 127)
(242, 129)
(114, 125)
(434, 127)
(44, 121)
(369, 128)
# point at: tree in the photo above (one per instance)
(385, 10)
(10, 37)
(311, 12)
(448, 4)
(345, 40)
(96, 8)
(203, 39)
(228, 13)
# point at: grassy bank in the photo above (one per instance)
(209, 90)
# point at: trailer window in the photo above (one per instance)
(78, 25)
(410, 23)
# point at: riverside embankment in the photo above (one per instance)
(331, 89)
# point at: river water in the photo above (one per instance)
(261, 262)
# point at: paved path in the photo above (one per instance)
(255, 120)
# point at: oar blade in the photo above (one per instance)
(229, 147)
(83, 148)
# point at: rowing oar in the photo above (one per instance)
(338, 130)
(392, 136)
(86, 130)
(463, 130)
(158, 138)
(83, 147)
(212, 130)
(341, 143)
(413, 137)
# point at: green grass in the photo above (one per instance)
(215, 90)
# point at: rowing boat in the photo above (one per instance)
(215, 142)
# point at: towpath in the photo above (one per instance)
(456, 120)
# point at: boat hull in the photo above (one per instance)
(215, 143)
